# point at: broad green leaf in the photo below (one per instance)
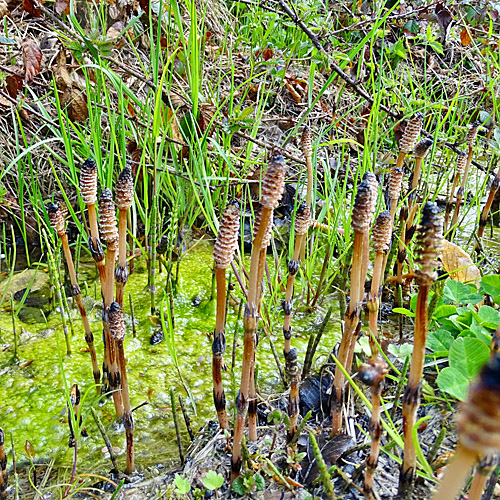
(453, 382)
(213, 480)
(405, 312)
(489, 317)
(468, 355)
(490, 284)
(461, 294)
(259, 482)
(440, 340)
(238, 486)
(400, 352)
(481, 333)
(182, 485)
(444, 311)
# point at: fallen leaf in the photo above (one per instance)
(32, 57)
(4, 102)
(29, 449)
(114, 30)
(3, 8)
(267, 54)
(75, 102)
(60, 71)
(459, 265)
(62, 7)
(14, 85)
(465, 37)
(30, 8)
(444, 18)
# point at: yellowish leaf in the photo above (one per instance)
(459, 265)
(465, 37)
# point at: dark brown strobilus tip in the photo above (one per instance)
(381, 243)
(429, 244)
(3, 466)
(272, 189)
(420, 151)
(124, 191)
(224, 248)
(478, 429)
(373, 373)
(57, 223)
(107, 217)
(302, 223)
(362, 216)
(411, 133)
(117, 329)
(471, 139)
(459, 170)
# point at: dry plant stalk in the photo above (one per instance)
(272, 189)
(302, 222)
(107, 216)
(88, 191)
(459, 170)
(124, 191)
(486, 209)
(381, 242)
(483, 472)
(478, 430)
(3, 466)
(373, 373)
(420, 151)
(224, 248)
(117, 329)
(471, 139)
(57, 223)
(429, 243)
(362, 214)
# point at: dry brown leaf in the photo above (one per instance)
(3, 8)
(61, 74)
(75, 102)
(14, 85)
(30, 8)
(459, 265)
(32, 57)
(114, 30)
(465, 37)
(5, 103)
(62, 7)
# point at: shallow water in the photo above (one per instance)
(32, 394)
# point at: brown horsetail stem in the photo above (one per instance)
(224, 248)
(381, 242)
(394, 189)
(107, 217)
(88, 191)
(478, 430)
(124, 192)
(306, 146)
(362, 214)
(459, 170)
(57, 223)
(420, 151)
(272, 189)
(429, 243)
(483, 472)
(373, 373)
(3, 466)
(471, 139)
(302, 223)
(486, 209)
(117, 329)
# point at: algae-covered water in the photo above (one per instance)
(32, 386)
